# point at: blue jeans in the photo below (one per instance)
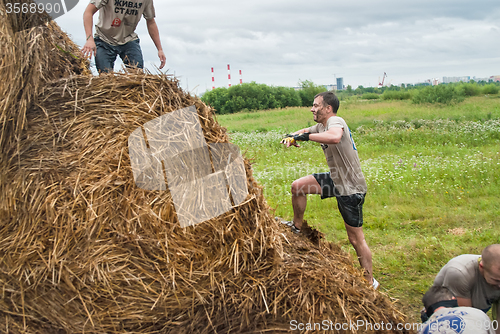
(105, 56)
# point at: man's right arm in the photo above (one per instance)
(89, 48)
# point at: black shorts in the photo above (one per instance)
(350, 207)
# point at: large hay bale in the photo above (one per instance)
(83, 249)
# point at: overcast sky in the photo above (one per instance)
(280, 43)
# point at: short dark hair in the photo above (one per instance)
(329, 98)
(435, 295)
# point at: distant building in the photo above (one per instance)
(340, 83)
(495, 78)
(476, 79)
(432, 82)
(456, 79)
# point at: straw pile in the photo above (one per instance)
(82, 249)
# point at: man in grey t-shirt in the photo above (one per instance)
(115, 32)
(345, 181)
(474, 279)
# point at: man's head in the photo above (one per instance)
(437, 297)
(436, 294)
(330, 99)
(325, 105)
(490, 265)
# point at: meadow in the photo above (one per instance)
(433, 175)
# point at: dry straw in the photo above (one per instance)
(83, 250)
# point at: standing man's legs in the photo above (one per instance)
(350, 207)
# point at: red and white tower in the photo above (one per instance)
(229, 75)
(213, 80)
(241, 78)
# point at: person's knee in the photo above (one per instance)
(296, 188)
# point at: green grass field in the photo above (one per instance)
(433, 175)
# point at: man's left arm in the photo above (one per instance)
(155, 36)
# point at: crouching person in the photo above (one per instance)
(445, 316)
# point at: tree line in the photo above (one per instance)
(253, 96)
